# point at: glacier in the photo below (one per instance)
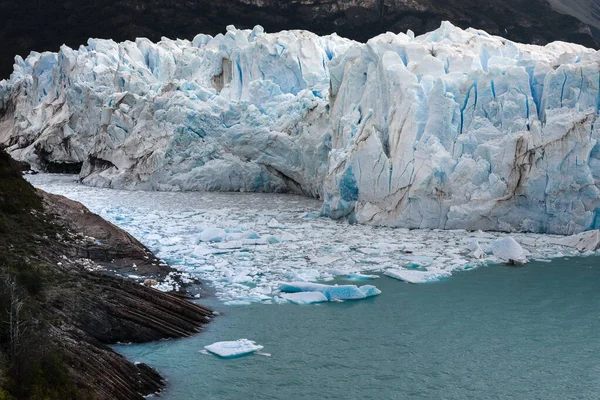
(453, 129)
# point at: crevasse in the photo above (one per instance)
(451, 129)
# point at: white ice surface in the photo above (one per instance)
(248, 265)
(233, 349)
(413, 276)
(508, 249)
(305, 297)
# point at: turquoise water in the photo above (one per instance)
(493, 333)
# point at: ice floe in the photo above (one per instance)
(361, 277)
(233, 349)
(331, 292)
(414, 276)
(305, 297)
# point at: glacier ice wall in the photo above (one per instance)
(457, 129)
(238, 112)
(451, 129)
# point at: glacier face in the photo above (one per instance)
(452, 129)
(238, 112)
(457, 129)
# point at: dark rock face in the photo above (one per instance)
(60, 255)
(45, 25)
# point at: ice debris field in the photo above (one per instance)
(273, 248)
(453, 129)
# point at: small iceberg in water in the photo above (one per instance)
(414, 276)
(328, 292)
(508, 250)
(305, 297)
(361, 277)
(234, 349)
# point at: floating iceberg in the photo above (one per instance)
(453, 129)
(305, 297)
(361, 277)
(369, 290)
(507, 249)
(212, 235)
(414, 276)
(233, 349)
(331, 292)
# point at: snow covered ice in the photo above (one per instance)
(252, 260)
(414, 276)
(509, 250)
(361, 277)
(304, 297)
(234, 349)
(454, 129)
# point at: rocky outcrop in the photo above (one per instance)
(64, 261)
(39, 26)
(587, 11)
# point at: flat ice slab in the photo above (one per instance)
(332, 292)
(361, 277)
(412, 276)
(233, 349)
(305, 297)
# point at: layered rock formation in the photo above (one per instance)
(71, 304)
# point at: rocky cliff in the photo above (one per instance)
(62, 303)
(45, 25)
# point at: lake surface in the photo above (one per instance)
(493, 333)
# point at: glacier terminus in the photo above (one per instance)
(453, 129)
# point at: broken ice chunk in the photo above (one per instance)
(370, 290)
(476, 250)
(305, 297)
(412, 276)
(361, 277)
(343, 292)
(273, 223)
(212, 235)
(293, 287)
(332, 292)
(237, 303)
(584, 241)
(507, 249)
(233, 349)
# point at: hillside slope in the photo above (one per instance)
(63, 308)
(45, 25)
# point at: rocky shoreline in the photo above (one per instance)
(76, 295)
